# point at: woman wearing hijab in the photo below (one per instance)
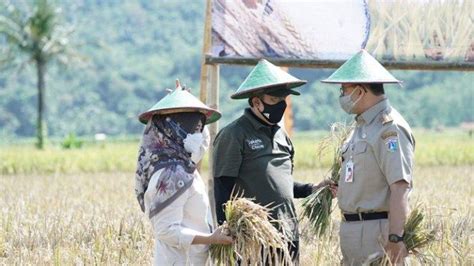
(169, 188)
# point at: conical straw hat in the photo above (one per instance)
(180, 101)
(361, 68)
(266, 77)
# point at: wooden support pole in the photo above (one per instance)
(209, 94)
(288, 115)
(213, 102)
(206, 47)
(306, 63)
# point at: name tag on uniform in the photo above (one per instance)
(349, 177)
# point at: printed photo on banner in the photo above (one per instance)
(427, 31)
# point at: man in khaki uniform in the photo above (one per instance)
(377, 168)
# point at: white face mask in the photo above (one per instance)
(197, 144)
(346, 102)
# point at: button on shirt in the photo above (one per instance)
(381, 150)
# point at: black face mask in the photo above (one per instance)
(273, 112)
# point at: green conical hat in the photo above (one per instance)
(266, 77)
(180, 101)
(361, 68)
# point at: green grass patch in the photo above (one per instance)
(450, 147)
(89, 159)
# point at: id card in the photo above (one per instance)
(349, 178)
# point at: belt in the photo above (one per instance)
(364, 216)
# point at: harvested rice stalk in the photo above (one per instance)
(416, 236)
(255, 233)
(318, 206)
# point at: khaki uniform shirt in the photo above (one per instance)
(377, 153)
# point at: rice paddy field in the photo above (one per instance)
(76, 207)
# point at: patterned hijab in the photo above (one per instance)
(162, 148)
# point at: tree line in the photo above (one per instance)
(131, 51)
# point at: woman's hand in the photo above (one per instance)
(217, 237)
(220, 236)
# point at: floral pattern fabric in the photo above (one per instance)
(162, 148)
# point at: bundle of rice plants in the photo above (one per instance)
(256, 237)
(318, 206)
(416, 236)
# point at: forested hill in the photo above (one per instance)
(136, 49)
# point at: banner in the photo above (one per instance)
(400, 31)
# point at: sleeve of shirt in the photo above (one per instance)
(302, 190)
(223, 187)
(227, 154)
(168, 227)
(395, 150)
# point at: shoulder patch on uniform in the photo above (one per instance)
(389, 134)
(392, 144)
(386, 118)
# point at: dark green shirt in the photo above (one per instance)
(261, 159)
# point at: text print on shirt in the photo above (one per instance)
(254, 143)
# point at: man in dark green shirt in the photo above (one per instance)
(254, 154)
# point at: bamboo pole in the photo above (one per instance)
(288, 115)
(213, 102)
(206, 47)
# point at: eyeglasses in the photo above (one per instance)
(342, 88)
(341, 91)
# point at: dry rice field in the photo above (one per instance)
(78, 219)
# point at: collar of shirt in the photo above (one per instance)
(369, 115)
(258, 123)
